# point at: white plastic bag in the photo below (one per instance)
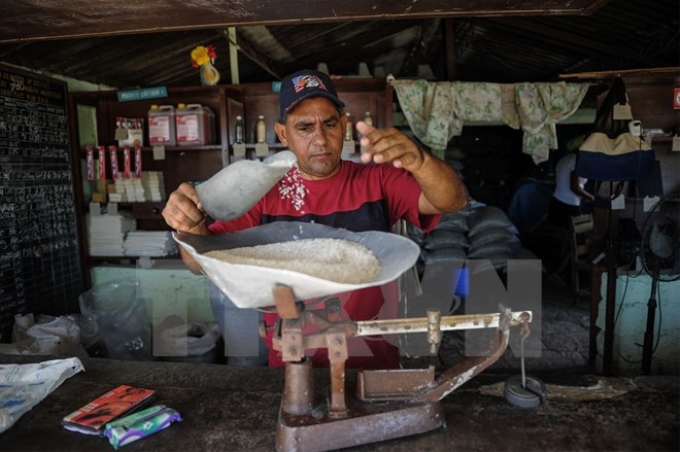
(23, 386)
(189, 339)
(44, 335)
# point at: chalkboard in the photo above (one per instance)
(39, 260)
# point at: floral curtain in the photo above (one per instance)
(436, 111)
(429, 111)
(540, 106)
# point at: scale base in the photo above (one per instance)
(366, 423)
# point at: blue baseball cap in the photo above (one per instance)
(303, 85)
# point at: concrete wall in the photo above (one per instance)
(632, 295)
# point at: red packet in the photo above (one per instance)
(138, 162)
(113, 153)
(90, 162)
(102, 163)
(126, 162)
(93, 417)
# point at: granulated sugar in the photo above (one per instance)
(293, 188)
(338, 260)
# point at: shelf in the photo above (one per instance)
(119, 259)
(188, 163)
(274, 146)
(207, 147)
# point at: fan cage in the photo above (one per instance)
(660, 246)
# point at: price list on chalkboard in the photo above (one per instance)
(39, 260)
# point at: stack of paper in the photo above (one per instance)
(151, 187)
(154, 186)
(106, 233)
(150, 243)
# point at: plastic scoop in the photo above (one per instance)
(238, 187)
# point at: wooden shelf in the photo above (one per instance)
(207, 147)
(193, 163)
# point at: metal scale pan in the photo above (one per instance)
(250, 286)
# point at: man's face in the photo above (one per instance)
(314, 132)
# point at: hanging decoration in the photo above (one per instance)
(203, 58)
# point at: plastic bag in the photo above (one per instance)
(44, 335)
(120, 314)
(189, 339)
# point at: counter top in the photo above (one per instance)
(236, 409)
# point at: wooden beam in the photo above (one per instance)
(449, 49)
(246, 48)
(233, 55)
(608, 74)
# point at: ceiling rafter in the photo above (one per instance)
(421, 46)
(359, 41)
(248, 50)
(564, 39)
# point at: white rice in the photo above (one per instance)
(341, 261)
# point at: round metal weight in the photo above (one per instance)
(530, 396)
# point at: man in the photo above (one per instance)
(396, 180)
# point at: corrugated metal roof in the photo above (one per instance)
(622, 34)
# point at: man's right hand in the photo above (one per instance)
(183, 211)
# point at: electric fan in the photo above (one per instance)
(660, 254)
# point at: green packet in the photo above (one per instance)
(140, 425)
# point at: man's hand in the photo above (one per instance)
(183, 211)
(389, 145)
(442, 189)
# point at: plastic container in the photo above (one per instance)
(240, 130)
(261, 130)
(195, 125)
(161, 121)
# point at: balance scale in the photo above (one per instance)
(382, 404)
(386, 404)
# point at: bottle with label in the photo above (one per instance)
(368, 119)
(261, 130)
(349, 129)
(194, 125)
(161, 120)
(239, 129)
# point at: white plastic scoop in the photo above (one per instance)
(238, 187)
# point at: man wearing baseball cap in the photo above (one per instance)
(396, 180)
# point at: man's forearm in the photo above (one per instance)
(442, 189)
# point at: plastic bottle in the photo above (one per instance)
(239, 129)
(161, 120)
(195, 125)
(261, 130)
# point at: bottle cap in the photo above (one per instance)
(181, 105)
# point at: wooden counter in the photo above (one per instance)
(236, 408)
